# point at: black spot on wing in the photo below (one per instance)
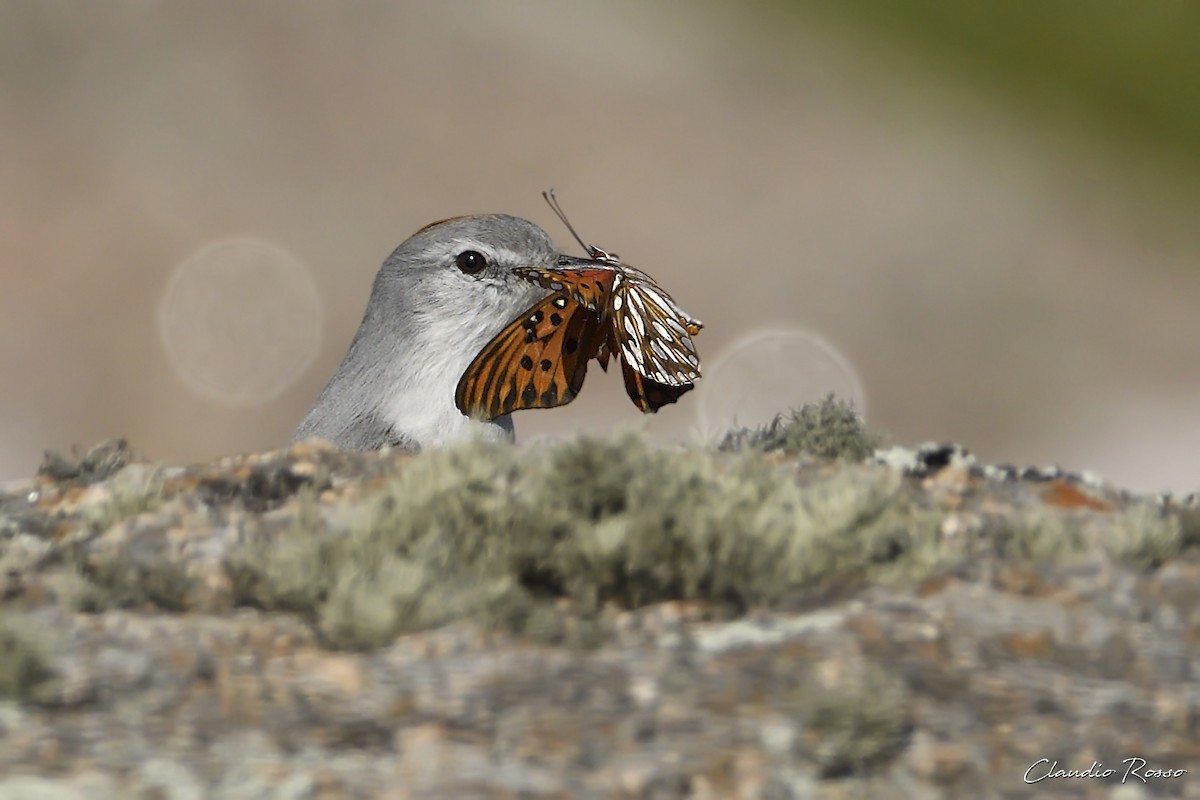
(529, 395)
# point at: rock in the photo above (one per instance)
(593, 619)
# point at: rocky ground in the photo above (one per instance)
(792, 615)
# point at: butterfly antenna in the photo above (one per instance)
(552, 201)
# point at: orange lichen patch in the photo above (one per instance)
(1029, 644)
(1021, 579)
(931, 650)
(993, 507)
(309, 448)
(32, 594)
(1065, 495)
(63, 530)
(937, 760)
(952, 478)
(402, 706)
(439, 222)
(934, 585)
(869, 629)
(342, 674)
(684, 610)
(180, 483)
(182, 659)
(67, 501)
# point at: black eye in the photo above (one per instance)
(470, 261)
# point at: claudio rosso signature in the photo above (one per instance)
(1135, 767)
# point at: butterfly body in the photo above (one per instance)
(614, 309)
(643, 323)
(604, 308)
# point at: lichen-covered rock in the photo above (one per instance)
(598, 618)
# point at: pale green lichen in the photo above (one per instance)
(498, 534)
(829, 429)
(117, 580)
(1143, 535)
(99, 462)
(131, 492)
(291, 572)
(851, 721)
(25, 670)
(76, 592)
(108, 575)
(543, 540)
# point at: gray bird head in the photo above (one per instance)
(437, 300)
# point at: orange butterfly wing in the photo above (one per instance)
(591, 287)
(538, 361)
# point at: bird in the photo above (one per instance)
(438, 299)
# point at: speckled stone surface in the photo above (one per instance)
(958, 686)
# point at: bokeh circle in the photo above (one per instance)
(767, 372)
(240, 320)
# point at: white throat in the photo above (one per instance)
(420, 403)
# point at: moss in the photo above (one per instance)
(437, 544)
(543, 541)
(76, 592)
(1189, 525)
(97, 464)
(25, 670)
(118, 581)
(737, 534)
(293, 573)
(1143, 535)
(101, 577)
(124, 577)
(852, 717)
(18, 563)
(501, 535)
(1037, 533)
(130, 494)
(829, 429)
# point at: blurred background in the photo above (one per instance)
(982, 217)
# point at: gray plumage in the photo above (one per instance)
(425, 321)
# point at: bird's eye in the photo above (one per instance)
(470, 261)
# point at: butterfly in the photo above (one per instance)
(598, 307)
